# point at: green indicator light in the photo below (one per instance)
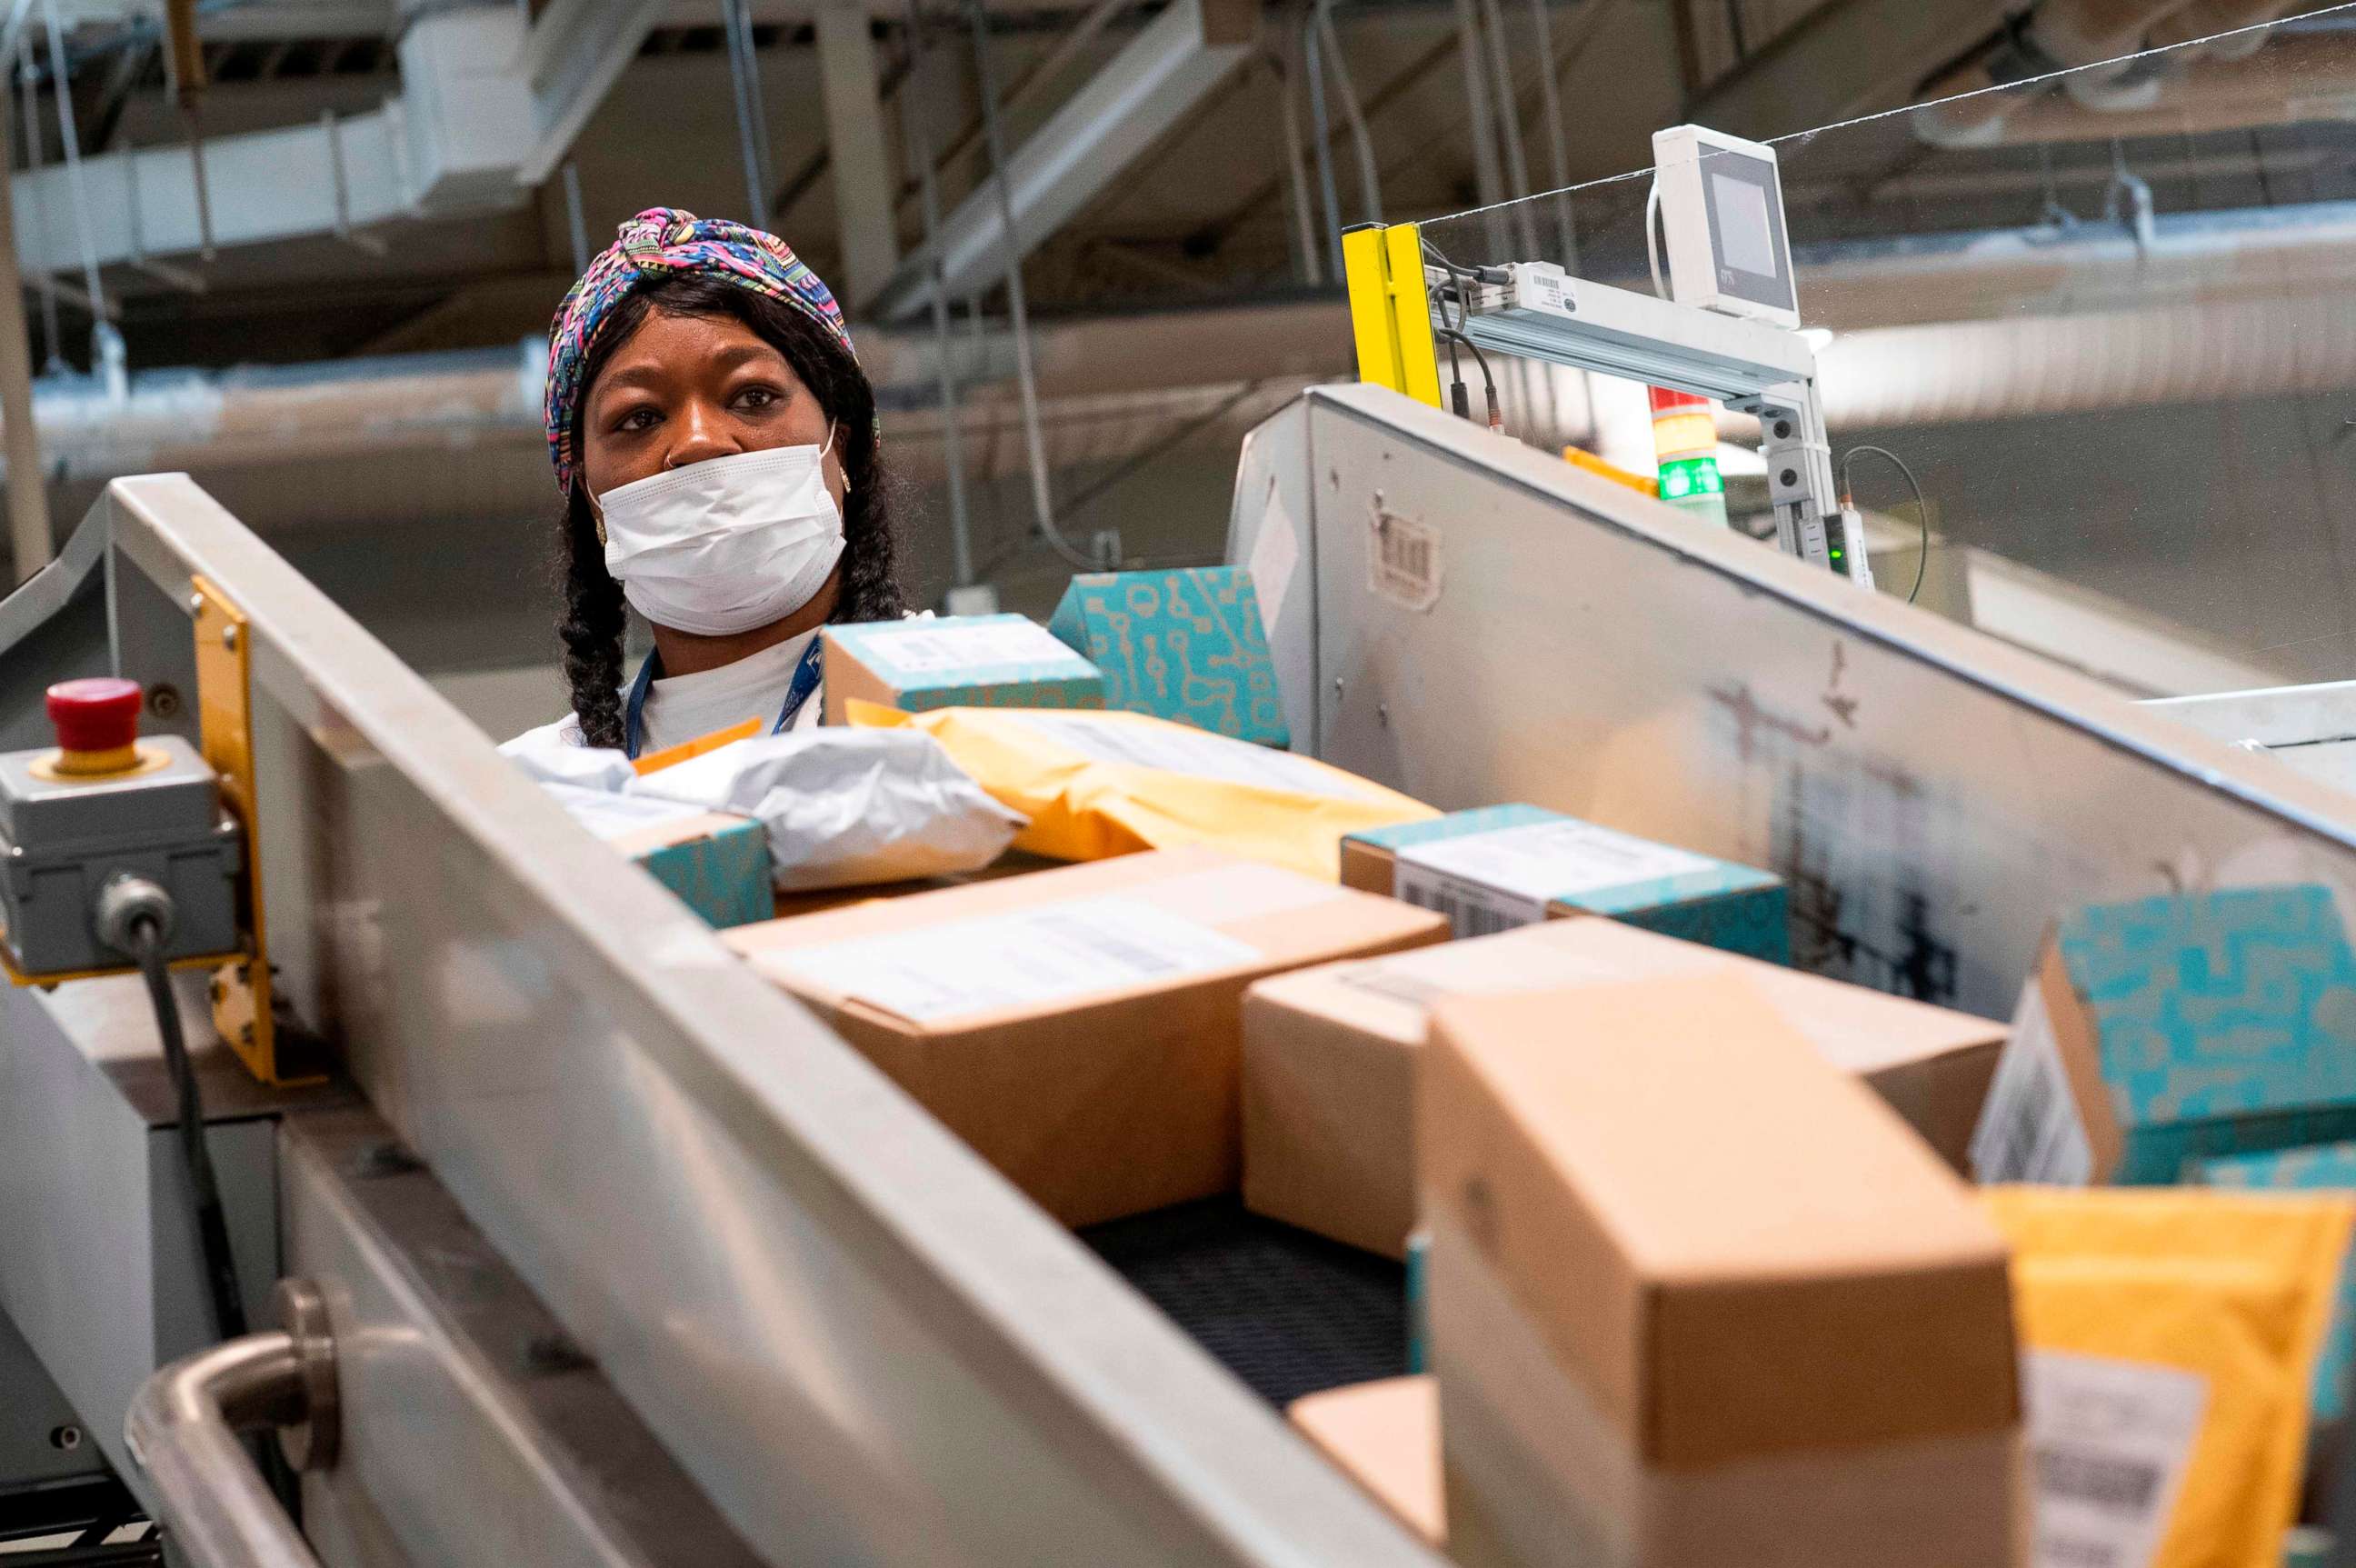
(1690, 477)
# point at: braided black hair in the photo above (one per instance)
(594, 611)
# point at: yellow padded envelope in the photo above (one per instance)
(1101, 784)
(2237, 1292)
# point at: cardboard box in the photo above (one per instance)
(1386, 1438)
(816, 901)
(1188, 645)
(2330, 1167)
(2168, 1029)
(716, 863)
(1329, 1058)
(1080, 1027)
(955, 661)
(1503, 867)
(1699, 1298)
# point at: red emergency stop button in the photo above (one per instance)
(97, 722)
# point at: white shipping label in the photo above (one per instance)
(1174, 748)
(923, 649)
(1274, 554)
(2108, 1443)
(2031, 1128)
(1019, 958)
(1403, 562)
(1473, 908)
(1545, 861)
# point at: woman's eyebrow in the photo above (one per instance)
(632, 376)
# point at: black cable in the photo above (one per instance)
(210, 1220)
(1460, 280)
(1921, 507)
(1488, 381)
(1459, 396)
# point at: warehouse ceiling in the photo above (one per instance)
(1203, 212)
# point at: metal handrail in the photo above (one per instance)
(184, 1425)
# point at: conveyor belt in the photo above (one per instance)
(1287, 1311)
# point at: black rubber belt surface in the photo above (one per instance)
(1288, 1312)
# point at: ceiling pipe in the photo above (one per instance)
(2217, 92)
(2205, 19)
(2090, 40)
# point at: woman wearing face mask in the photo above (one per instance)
(715, 441)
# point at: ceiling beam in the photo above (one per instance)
(575, 51)
(1129, 104)
(1848, 58)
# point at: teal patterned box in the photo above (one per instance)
(2328, 1168)
(1503, 867)
(955, 661)
(717, 864)
(1186, 644)
(2220, 1022)
(722, 875)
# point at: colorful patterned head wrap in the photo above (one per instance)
(659, 243)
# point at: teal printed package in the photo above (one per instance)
(2331, 1167)
(722, 875)
(1186, 645)
(2224, 1023)
(1502, 866)
(959, 661)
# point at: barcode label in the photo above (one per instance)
(2120, 1486)
(1403, 562)
(1018, 959)
(2031, 1128)
(2108, 1442)
(1473, 908)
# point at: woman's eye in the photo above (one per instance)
(759, 397)
(636, 419)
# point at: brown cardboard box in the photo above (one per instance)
(1386, 1438)
(1080, 1027)
(1329, 1058)
(1699, 1298)
(816, 901)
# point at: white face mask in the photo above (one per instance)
(727, 544)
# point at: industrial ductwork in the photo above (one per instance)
(1929, 330)
(486, 105)
(2096, 44)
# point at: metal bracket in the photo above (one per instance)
(241, 989)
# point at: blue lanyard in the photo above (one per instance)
(804, 687)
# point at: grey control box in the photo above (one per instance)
(63, 839)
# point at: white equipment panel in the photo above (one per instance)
(1933, 796)
(1722, 207)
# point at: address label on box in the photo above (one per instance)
(931, 648)
(1018, 958)
(1496, 880)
